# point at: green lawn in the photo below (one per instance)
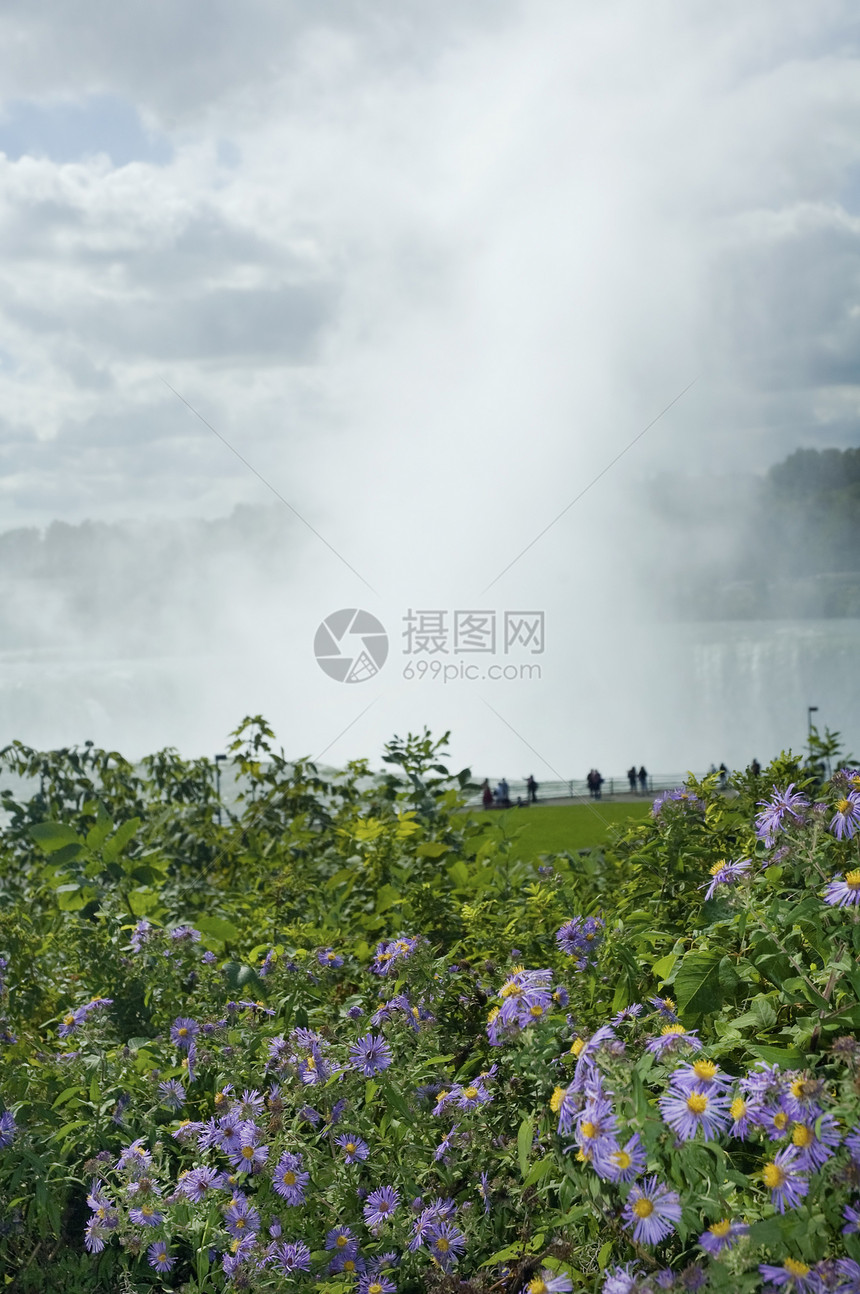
(551, 829)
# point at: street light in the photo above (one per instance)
(218, 761)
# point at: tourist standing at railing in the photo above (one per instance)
(643, 779)
(487, 794)
(631, 778)
(532, 788)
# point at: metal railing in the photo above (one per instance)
(577, 788)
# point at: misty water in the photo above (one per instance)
(689, 694)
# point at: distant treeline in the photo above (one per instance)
(747, 547)
(135, 587)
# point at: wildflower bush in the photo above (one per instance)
(340, 1041)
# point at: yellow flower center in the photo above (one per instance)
(802, 1135)
(415, 1014)
(384, 1206)
(576, 1046)
(843, 806)
(718, 867)
(537, 1286)
(493, 1013)
(239, 1224)
(349, 1265)
(289, 1179)
(470, 1093)
(442, 1096)
(704, 1069)
(673, 1028)
(68, 1019)
(796, 1268)
(147, 1210)
(780, 1120)
(182, 1031)
(311, 1063)
(536, 1010)
(720, 1229)
(773, 1176)
(341, 1242)
(374, 1288)
(588, 1129)
(738, 1108)
(556, 1099)
(350, 1147)
(697, 1103)
(852, 880)
(442, 1245)
(248, 1152)
(643, 1208)
(621, 1159)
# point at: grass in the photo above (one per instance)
(552, 829)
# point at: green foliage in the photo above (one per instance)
(124, 886)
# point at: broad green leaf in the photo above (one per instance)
(113, 848)
(662, 969)
(697, 984)
(387, 897)
(539, 1170)
(218, 928)
(432, 849)
(603, 1256)
(51, 836)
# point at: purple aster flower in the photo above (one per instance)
(852, 1220)
(816, 1142)
(445, 1144)
(251, 1105)
(172, 1094)
(295, 1257)
(185, 934)
(622, 1280)
(183, 1031)
(651, 1209)
(208, 957)
(370, 1055)
(690, 1110)
(380, 1206)
(250, 1157)
(596, 1128)
(484, 1191)
(158, 1256)
(446, 1243)
(355, 1012)
(376, 1283)
(147, 1214)
(843, 894)
(722, 1235)
(289, 1180)
(789, 804)
(95, 1236)
(627, 1013)
(846, 819)
(353, 1147)
(390, 955)
(140, 934)
(8, 1128)
(802, 1099)
(135, 1160)
(586, 1071)
(723, 873)
(580, 938)
(801, 1278)
(242, 1219)
(680, 797)
(195, 1183)
(342, 1240)
(621, 1164)
(673, 1037)
(546, 1283)
(784, 1179)
(852, 1145)
(328, 957)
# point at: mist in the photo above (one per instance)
(507, 309)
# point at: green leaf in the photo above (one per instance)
(432, 849)
(697, 984)
(539, 1170)
(661, 970)
(387, 897)
(218, 928)
(603, 1256)
(51, 836)
(778, 1056)
(525, 1137)
(114, 847)
(239, 975)
(459, 874)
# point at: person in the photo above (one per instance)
(532, 788)
(755, 768)
(631, 778)
(487, 794)
(503, 794)
(643, 779)
(596, 781)
(589, 782)
(724, 776)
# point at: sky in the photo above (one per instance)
(428, 272)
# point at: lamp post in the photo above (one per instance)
(218, 761)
